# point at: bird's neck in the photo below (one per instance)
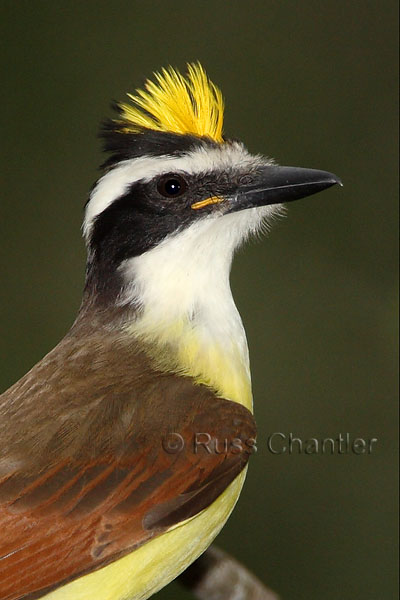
(189, 321)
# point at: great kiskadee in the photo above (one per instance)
(107, 492)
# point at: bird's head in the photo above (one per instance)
(176, 197)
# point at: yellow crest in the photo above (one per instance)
(178, 104)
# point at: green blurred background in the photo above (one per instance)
(312, 84)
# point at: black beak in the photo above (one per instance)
(275, 185)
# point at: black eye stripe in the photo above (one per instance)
(171, 185)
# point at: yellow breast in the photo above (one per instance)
(219, 362)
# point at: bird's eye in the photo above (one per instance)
(171, 186)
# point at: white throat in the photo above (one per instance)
(187, 275)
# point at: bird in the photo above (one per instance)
(125, 449)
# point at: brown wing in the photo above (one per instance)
(67, 513)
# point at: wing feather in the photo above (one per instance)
(75, 504)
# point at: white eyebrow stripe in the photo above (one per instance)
(114, 184)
